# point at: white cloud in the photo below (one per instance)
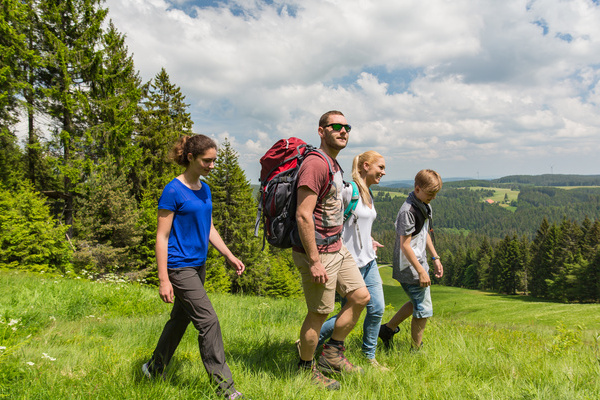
(463, 86)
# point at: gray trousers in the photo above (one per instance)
(193, 305)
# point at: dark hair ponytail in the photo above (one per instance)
(195, 145)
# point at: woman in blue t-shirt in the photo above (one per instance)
(185, 228)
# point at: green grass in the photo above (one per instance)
(499, 194)
(510, 312)
(393, 195)
(478, 346)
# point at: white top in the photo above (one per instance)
(357, 230)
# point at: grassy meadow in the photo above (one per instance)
(73, 338)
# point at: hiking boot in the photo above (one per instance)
(318, 379)
(416, 350)
(386, 335)
(152, 370)
(333, 360)
(235, 395)
(376, 365)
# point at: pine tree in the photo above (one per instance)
(107, 224)
(234, 213)
(542, 260)
(116, 93)
(162, 120)
(72, 33)
(590, 281)
(507, 265)
(590, 239)
(484, 257)
(13, 49)
(471, 277)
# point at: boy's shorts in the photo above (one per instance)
(343, 275)
(420, 297)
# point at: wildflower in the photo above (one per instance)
(2, 348)
(44, 355)
(30, 363)
(53, 318)
(13, 322)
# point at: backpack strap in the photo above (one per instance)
(319, 240)
(353, 201)
(331, 173)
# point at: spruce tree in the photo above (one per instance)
(13, 52)
(542, 259)
(234, 213)
(116, 93)
(484, 257)
(72, 33)
(162, 119)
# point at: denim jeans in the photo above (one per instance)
(375, 309)
(420, 297)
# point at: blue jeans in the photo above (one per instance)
(375, 309)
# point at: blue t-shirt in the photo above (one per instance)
(188, 240)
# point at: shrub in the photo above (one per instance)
(29, 237)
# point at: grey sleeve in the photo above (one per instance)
(405, 223)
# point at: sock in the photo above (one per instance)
(336, 343)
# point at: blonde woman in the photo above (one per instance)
(367, 170)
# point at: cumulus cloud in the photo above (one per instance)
(467, 87)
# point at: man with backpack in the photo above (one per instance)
(326, 266)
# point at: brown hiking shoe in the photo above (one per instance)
(318, 379)
(333, 360)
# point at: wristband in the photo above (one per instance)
(435, 258)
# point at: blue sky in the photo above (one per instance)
(467, 87)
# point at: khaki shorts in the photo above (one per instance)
(343, 275)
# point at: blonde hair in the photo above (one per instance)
(428, 180)
(359, 161)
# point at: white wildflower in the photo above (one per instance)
(13, 322)
(30, 363)
(44, 355)
(2, 348)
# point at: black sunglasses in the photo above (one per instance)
(338, 127)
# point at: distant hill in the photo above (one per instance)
(403, 184)
(557, 180)
(552, 180)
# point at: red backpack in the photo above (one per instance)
(278, 192)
